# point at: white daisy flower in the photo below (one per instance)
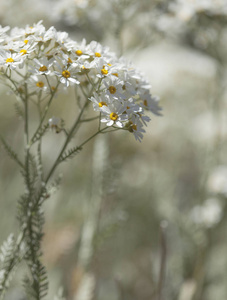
(98, 51)
(67, 75)
(42, 66)
(114, 87)
(150, 102)
(136, 127)
(37, 84)
(81, 50)
(114, 114)
(99, 101)
(11, 60)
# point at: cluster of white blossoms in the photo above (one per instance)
(39, 63)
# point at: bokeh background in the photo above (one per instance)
(135, 220)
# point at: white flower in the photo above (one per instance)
(66, 75)
(27, 49)
(150, 102)
(45, 36)
(42, 66)
(136, 127)
(37, 84)
(114, 114)
(81, 50)
(98, 51)
(3, 31)
(55, 123)
(114, 87)
(11, 60)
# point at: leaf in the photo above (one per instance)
(40, 133)
(37, 286)
(11, 153)
(19, 110)
(70, 153)
(8, 261)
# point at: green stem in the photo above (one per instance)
(26, 140)
(90, 119)
(39, 148)
(68, 139)
(44, 114)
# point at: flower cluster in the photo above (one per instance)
(39, 63)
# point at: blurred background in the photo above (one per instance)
(135, 220)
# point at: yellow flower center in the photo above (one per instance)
(113, 116)
(66, 74)
(145, 102)
(43, 69)
(112, 89)
(104, 71)
(23, 51)
(9, 60)
(102, 103)
(40, 84)
(115, 74)
(69, 60)
(97, 54)
(26, 41)
(79, 52)
(109, 65)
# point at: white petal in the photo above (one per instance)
(110, 123)
(119, 124)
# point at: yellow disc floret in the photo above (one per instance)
(104, 71)
(97, 54)
(9, 60)
(115, 74)
(113, 116)
(134, 127)
(25, 41)
(112, 89)
(23, 51)
(79, 52)
(69, 60)
(66, 74)
(40, 84)
(43, 69)
(102, 103)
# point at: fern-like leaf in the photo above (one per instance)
(7, 260)
(11, 153)
(37, 286)
(19, 110)
(39, 134)
(54, 186)
(70, 153)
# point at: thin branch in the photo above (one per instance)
(163, 245)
